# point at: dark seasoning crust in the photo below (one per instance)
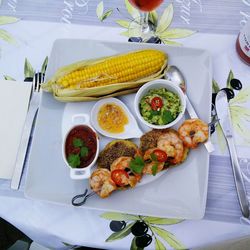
(114, 151)
(149, 139)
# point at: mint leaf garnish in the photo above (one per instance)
(154, 169)
(74, 160)
(84, 151)
(137, 165)
(77, 142)
(167, 117)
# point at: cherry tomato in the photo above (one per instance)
(118, 176)
(156, 103)
(160, 155)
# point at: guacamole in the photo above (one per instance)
(160, 106)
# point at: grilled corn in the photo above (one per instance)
(106, 76)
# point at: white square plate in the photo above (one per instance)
(180, 192)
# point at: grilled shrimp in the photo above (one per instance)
(150, 164)
(123, 164)
(172, 145)
(101, 182)
(148, 168)
(192, 132)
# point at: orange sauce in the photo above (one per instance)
(112, 118)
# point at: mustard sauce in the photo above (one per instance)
(112, 118)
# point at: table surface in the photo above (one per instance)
(44, 21)
(206, 16)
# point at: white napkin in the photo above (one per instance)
(14, 101)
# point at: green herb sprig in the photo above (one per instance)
(137, 165)
(154, 169)
(74, 160)
(167, 117)
(155, 166)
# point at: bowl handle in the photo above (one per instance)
(79, 174)
(80, 118)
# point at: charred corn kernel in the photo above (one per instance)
(117, 69)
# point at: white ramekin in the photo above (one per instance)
(156, 84)
(80, 173)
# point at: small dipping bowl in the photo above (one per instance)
(157, 84)
(79, 120)
(131, 129)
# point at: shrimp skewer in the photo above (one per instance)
(192, 132)
(174, 144)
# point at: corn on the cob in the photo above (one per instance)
(97, 78)
(123, 68)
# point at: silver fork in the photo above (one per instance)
(22, 149)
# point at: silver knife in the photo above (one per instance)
(27, 129)
(23, 146)
(223, 113)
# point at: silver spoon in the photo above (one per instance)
(173, 74)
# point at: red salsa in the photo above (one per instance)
(80, 146)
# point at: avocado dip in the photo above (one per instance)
(160, 106)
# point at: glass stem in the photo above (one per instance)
(145, 26)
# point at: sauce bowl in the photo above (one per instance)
(81, 121)
(131, 129)
(157, 84)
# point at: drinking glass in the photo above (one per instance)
(145, 31)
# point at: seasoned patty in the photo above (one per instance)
(114, 150)
(149, 139)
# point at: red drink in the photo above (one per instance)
(146, 5)
(243, 43)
